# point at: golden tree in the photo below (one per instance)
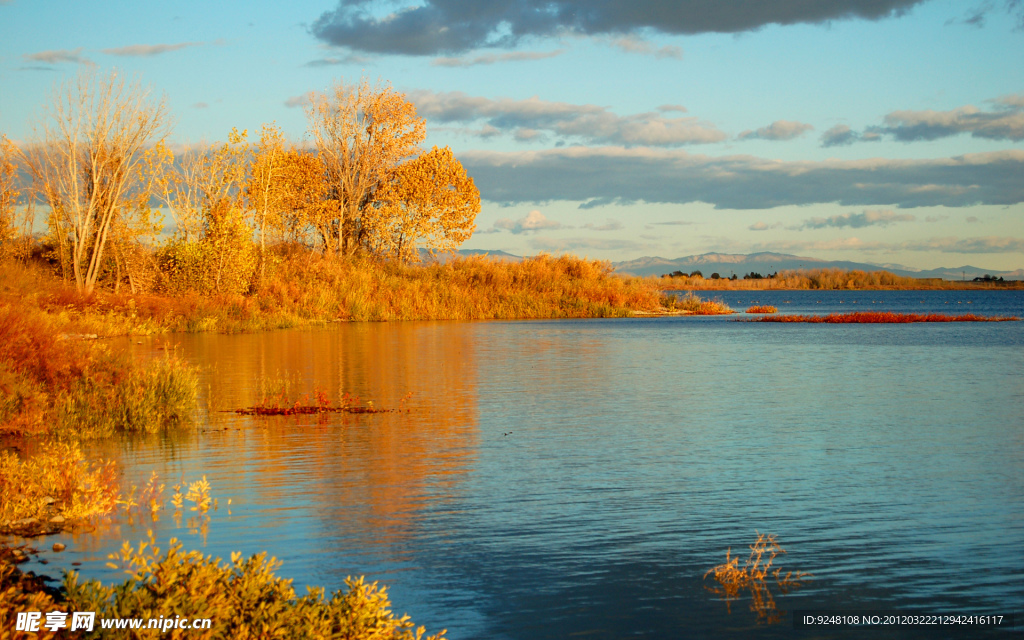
(303, 203)
(265, 187)
(430, 201)
(381, 195)
(88, 163)
(205, 192)
(9, 193)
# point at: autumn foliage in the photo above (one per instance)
(365, 189)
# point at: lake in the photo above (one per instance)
(555, 479)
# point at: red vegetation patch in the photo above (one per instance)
(763, 308)
(885, 317)
(275, 407)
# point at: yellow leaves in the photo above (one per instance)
(362, 133)
(9, 191)
(199, 495)
(243, 598)
(428, 199)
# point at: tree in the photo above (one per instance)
(266, 185)
(362, 133)
(381, 194)
(9, 193)
(88, 164)
(212, 250)
(429, 199)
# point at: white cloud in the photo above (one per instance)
(778, 130)
(636, 44)
(588, 123)
(57, 56)
(609, 225)
(534, 221)
(147, 50)
(875, 218)
(492, 58)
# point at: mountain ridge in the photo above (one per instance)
(766, 262)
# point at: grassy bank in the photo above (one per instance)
(60, 385)
(833, 279)
(303, 288)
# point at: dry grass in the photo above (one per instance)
(53, 382)
(279, 404)
(764, 308)
(304, 287)
(733, 580)
(700, 307)
(884, 317)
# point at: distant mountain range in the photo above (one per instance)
(726, 264)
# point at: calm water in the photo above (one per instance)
(578, 478)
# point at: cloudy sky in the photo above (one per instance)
(884, 131)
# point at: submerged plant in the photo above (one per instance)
(733, 580)
(280, 405)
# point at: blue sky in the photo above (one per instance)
(883, 131)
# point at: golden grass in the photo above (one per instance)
(764, 308)
(700, 307)
(304, 287)
(54, 382)
(733, 580)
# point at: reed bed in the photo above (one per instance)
(764, 308)
(698, 306)
(304, 287)
(59, 384)
(883, 317)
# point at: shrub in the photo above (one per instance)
(733, 580)
(78, 388)
(700, 307)
(243, 598)
(56, 475)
